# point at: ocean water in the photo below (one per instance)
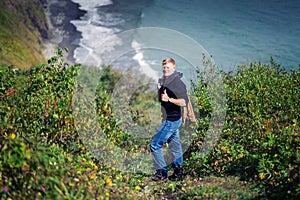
(232, 32)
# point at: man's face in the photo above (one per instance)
(168, 69)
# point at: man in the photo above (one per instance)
(173, 95)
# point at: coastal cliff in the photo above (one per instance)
(31, 29)
(23, 30)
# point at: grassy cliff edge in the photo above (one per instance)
(23, 29)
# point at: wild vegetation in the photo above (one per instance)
(23, 27)
(43, 156)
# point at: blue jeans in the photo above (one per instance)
(167, 132)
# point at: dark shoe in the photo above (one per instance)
(176, 176)
(159, 176)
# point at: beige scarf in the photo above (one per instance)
(188, 113)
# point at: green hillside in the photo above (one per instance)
(43, 116)
(23, 26)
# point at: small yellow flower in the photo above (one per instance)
(101, 197)
(88, 169)
(261, 175)
(95, 167)
(71, 184)
(12, 136)
(183, 189)
(108, 182)
(171, 186)
(92, 176)
(137, 188)
(107, 194)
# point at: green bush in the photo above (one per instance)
(260, 139)
(35, 113)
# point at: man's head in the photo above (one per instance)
(168, 66)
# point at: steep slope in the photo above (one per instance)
(23, 25)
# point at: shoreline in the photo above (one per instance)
(63, 34)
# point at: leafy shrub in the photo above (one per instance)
(37, 114)
(260, 139)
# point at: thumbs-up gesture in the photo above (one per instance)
(164, 96)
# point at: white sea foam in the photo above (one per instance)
(87, 5)
(92, 38)
(94, 33)
(144, 66)
(100, 43)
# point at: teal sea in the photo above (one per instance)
(233, 32)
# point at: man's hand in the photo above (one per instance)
(158, 86)
(164, 96)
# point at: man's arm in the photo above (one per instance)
(178, 102)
